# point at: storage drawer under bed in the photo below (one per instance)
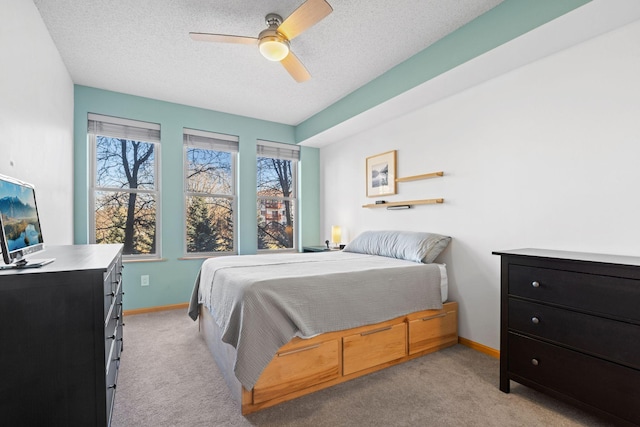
(374, 347)
(433, 329)
(296, 368)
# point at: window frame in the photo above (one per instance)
(234, 187)
(282, 151)
(94, 188)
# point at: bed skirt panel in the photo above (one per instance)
(223, 353)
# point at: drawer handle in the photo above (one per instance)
(112, 386)
(434, 317)
(535, 284)
(535, 362)
(535, 320)
(298, 350)
(375, 331)
(110, 294)
(112, 337)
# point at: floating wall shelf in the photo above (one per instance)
(408, 203)
(417, 177)
(404, 203)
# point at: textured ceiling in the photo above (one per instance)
(143, 48)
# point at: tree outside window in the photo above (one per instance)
(209, 209)
(125, 194)
(125, 199)
(276, 191)
(209, 192)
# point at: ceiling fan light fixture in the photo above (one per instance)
(274, 47)
(273, 42)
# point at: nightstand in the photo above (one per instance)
(318, 249)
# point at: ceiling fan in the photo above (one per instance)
(274, 41)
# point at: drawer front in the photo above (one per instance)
(112, 368)
(609, 339)
(430, 332)
(111, 336)
(118, 316)
(612, 388)
(111, 278)
(111, 394)
(607, 295)
(374, 347)
(112, 379)
(297, 369)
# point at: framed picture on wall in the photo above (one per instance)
(381, 174)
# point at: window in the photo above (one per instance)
(277, 195)
(125, 193)
(210, 195)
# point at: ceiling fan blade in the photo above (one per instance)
(308, 14)
(293, 65)
(222, 38)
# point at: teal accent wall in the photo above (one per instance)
(171, 280)
(309, 201)
(505, 22)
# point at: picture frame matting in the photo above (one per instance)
(381, 174)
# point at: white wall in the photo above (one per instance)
(36, 116)
(544, 156)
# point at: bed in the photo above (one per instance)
(280, 326)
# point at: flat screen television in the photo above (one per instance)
(20, 232)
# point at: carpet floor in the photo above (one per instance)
(168, 377)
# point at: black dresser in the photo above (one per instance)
(61, 338)
(570, 327)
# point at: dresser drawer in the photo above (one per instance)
(609, 339)
(117, 310)
(595, 382)
(433, 330)
(374, 347)
(111, 279)
(111, 394)
(611, 296)
(112, 379)
(297, 368)
(111, 335)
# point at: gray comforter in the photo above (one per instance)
(260, 302)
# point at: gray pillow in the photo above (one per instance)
(409, 245)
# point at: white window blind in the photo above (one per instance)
(116, 127)
(210, 140)
(278, 150)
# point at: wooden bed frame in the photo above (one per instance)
(304, 366)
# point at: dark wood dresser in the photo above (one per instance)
(61, 338)
(570, 327)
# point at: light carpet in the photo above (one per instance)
(168, 377)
